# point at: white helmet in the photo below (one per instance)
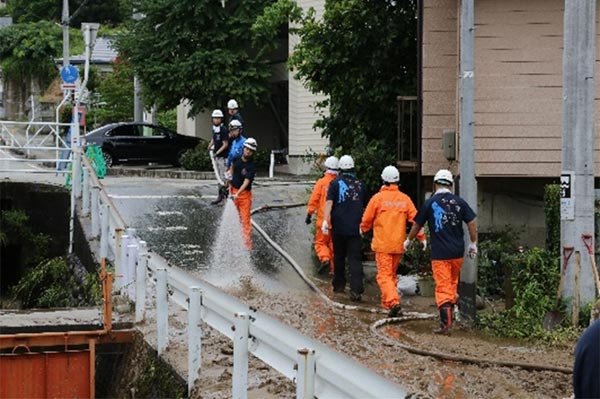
(232, 104)
(217, 114)
(346, 162)
(332, 163)
(235, 124)
(390, 174)
(443, 177)
(251, 144)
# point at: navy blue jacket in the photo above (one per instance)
(349, 198)
(445, 213)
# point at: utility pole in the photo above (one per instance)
(577, 176)
(138, 105)
(65, 31)
(468, 185)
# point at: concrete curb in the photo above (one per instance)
(161, 173)
(194, 175)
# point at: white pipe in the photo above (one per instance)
(162, 311)
(85, 203)
(194, 337)
(132, 258)
(95, 211)
(121, 265)
(140, 282)
(271, 165)
(104, 230)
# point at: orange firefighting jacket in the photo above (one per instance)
(317, 200)
(387, 213)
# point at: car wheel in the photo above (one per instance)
(179, 158)
(108, 158)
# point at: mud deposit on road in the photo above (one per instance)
(271, 286)
(348, 332)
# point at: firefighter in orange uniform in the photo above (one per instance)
(388, 213)
(316, 204)
(242, 173)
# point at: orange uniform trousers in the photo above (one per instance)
(446, 274)
(324, 247)
(387, 279)
(243, 203)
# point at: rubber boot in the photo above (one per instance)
(446, 312)
(222, 194)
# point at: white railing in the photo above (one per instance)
(316, 370)
(36, 137)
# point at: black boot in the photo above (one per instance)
(221, 195)
(446, 312)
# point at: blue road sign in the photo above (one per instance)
(69, 74)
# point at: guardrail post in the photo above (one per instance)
(121, 263)
(132, 260)
(140, 282)
(194, 337)
(305, 378)
(104, 232)
(76, 169)
(271, 164)
(85, 202)
(95, 211)
(240, 356)
(162, 311)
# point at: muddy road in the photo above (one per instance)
(178, 222)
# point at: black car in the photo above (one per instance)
(140, 142)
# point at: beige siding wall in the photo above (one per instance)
(518, 85)
(302, 115)
(440, 69)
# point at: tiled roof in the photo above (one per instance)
(103, 53)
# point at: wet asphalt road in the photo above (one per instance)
(177, 221)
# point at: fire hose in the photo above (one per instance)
(406, 316)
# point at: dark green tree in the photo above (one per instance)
(116, 94)
(27, 51)
(200, 51)
(362, 55)
(104, 11)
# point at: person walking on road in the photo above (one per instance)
(234, 112)
(445, 213)
(316, 204)
(219, 145)
(346, 200)
(242, 175)
(388, 213)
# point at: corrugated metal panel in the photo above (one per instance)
(302, 115)
(45, 375)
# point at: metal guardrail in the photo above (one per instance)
(36, 137)
(316, 370)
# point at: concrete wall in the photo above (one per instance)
(518, 203)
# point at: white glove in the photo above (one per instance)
(227, 175)
(325, 227)
(472, 250)
(424, 243)
(406, 244)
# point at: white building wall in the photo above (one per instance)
(303, 138)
